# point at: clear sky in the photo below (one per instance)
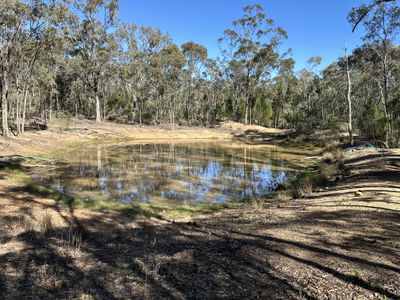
(315, 27)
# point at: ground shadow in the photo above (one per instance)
(276, 253)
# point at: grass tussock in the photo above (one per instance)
(256, 203)
(329, 169)
(44, 222)
(283, 196)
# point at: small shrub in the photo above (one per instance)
(307, 187)
(328, 157)
(257, 203)
(282, 196)
(302, 185)
(45, 222)
(339, 156)
(303, 188)
(326, 172)
(333, 156)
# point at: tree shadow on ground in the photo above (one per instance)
(342, 252)
(253, 135)
(122, 257)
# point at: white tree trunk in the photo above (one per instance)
(24, 108)
(4, 104)
(349, 102)
(98, 113)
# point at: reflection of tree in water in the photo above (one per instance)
(178, 174)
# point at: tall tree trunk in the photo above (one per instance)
(246, 113)
(188, 103)
(141, 110)
(386, 94)
(349, 102)
(98, 112)
(250, 113)
(17, 113)
(4, 104)
(24, 108)
(236, 105)
(172, 111)
(104, 108)
(51, 105)
(133, 108)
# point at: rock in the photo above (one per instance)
(358, 194)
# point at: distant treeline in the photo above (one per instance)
(74, 57)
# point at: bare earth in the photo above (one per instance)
(342, 242)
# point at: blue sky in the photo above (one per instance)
(315, 27)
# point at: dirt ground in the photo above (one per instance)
(341, 242)
(81, 131)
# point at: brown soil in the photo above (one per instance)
(61, 134)
(342, 242)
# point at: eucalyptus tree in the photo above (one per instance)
(169, 65)
(366, 9)
(349, 97)
(196, 56)
(251, 47)
(263, 106)
(27, 28)
(139, 47)
(382, 25)
(283, 88)
(92, 42)
(132, 63)
(13, 18)
(218, 95)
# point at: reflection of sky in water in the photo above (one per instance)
(170, 174)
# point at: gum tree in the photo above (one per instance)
(93, 44)
(251, 49)
(382, 23)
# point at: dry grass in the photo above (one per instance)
(305, 189)
(239, 127)
(283, 196)
(67, 132)
(44, 222)
(328, 157)
(256, 203)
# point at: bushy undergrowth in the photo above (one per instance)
(327, 170)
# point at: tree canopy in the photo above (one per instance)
(76, 58)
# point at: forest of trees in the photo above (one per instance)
(75, 58)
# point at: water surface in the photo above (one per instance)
(171, 174)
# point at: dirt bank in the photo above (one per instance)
(340, 242)
(61, 134)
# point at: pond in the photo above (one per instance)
(171, 174)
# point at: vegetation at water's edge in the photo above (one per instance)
(319, 173)
(19, 174)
